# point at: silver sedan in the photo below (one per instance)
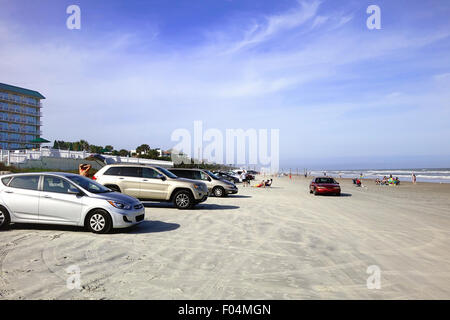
(65, 199)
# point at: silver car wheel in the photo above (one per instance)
(218, 192)
(2, 218)
(97, 222)
(182, 200)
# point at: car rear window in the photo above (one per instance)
(182, 173)
(113, 171)
(325, 180)
(25, 182)
(131, 172)
(124, 171)
(6, 180)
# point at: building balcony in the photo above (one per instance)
(19, 111)
(21, 121)
(19, 140)
(19, 101)
(20, 130)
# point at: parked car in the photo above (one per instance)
(65, 199)
(250, 176)
(216, 186)
(235, 175)
(152, 183)
(226, 176)
(325, 185)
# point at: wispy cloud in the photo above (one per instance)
(282, 71)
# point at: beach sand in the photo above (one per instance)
(277, 243)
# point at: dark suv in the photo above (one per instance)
(216, 186)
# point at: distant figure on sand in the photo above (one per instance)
(413, 178)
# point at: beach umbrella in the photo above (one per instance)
(39, 140)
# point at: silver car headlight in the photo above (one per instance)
(119, 205)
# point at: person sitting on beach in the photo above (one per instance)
(391, 180)
(268, 183)
(358, 182)
(261, 185)
(384, 181)
(377, 181)
(396, 181)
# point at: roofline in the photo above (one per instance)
(21, 90)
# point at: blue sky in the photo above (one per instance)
(342, 96)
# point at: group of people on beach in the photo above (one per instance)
(388, 181)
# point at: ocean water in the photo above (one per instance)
(423, 174)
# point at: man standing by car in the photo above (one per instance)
(83, 169)
(244, 178)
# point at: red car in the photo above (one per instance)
(325, 185)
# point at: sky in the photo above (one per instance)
(342, 96)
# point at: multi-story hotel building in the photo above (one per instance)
(20, 117)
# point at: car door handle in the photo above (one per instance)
(47, 196)
(8, 191)
(145, 180)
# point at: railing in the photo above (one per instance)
(34, 123)
(21, 111)
(13, 99)
(21, 156)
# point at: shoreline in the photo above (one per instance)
(369, 179)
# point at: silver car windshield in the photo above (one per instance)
(89, 184)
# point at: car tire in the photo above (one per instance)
(99, 221)
(114, 188)
(310, 191)
(338, 194)
(315, 192)
(219, 192)
(183, 200)
(5, 219)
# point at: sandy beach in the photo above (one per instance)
(274, 243)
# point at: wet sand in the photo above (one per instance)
(274, 243)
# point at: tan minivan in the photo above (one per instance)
(152, 183)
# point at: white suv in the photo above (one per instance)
(152, 183)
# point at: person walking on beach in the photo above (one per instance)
(413, 178)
